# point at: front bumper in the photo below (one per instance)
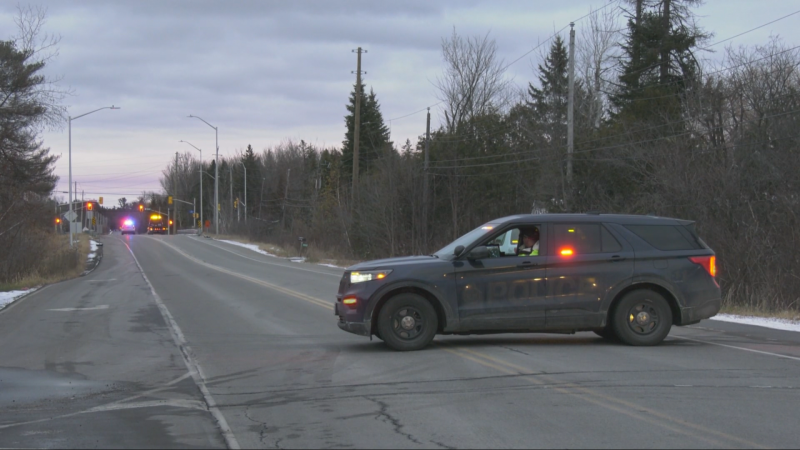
(695, 314)
(359, 328)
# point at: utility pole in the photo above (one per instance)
(175, 197)
(261, 196)
(285, 197)
(245, 191)
(83, 207)
(425, 185)
(357, 126)
(230, 174)
(570, 107)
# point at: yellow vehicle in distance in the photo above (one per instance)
(156, 225)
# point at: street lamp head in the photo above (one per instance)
(115, 107)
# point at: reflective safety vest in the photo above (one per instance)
(533, 252)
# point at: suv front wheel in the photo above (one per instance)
(407, 322)
(642, 318)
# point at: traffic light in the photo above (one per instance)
(58, 220)
(170, 222)
(89, 206)
(236, 203)
(141, 207)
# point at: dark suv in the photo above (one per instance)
(624, 277)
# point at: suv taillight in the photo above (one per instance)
(708, 262)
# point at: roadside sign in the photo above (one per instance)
(100, 201)
(70, 216)
(94, 221)
(169, 200)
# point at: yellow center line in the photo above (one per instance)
(275, 287)
(622, 406)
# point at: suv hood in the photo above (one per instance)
(388, 263)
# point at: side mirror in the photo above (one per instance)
(458, 250)
(480, 252)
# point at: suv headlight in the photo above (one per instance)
(368, 275)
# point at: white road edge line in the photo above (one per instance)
(194, 368)
(265, 262)
(794, 358)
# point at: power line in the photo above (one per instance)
(516, 60)
(626, 144)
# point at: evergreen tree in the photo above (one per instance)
(548, 105)
(374, 134)
(659, 63)
(253, 175)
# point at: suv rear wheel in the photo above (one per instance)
(407, 322)
(642, 318)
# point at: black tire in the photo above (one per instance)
(642, 318)
(407, 322)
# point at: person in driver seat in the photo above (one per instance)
(529, 243)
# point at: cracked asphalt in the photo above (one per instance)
(274, 370)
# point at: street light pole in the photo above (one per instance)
(202, 224)
(216, 175)
(70, 164)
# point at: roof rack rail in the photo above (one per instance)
(593, 213)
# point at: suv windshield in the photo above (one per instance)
(465, 240)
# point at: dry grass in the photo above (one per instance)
(59, 264)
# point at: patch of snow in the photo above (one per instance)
(777, 324)
(331, 265)
(91, 255)
(252, 247)
(10, 296)
(93, 246)
(297, 260)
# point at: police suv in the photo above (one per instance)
(622, 276)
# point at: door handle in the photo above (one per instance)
(527, 265)
(616, 258)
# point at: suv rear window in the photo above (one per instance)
(664, 237)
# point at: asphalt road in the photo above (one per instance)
(220, 346)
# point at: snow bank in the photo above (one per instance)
(777, 324)
(252, 247)
(10, 296)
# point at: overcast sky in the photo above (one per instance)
(264, 72)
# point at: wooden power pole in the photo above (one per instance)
(570, 107)
(357, 126)
(425, 185)
(175, 197)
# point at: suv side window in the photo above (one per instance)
(663, 237)
(581, 238)
(506, 244)
(610, 243)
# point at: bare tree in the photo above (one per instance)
(597, 54)
(474, 81)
